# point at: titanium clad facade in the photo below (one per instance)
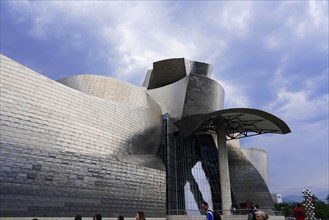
(166, 72)
(171, 98)
(112, 90)
(182, 88)
(192, 163)
(54, 114)
(259, 159)
(65, 152)
(203, 95)
(89, 144)
(247, 183)
(198, 68)
(190, 157)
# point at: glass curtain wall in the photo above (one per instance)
(192, 171)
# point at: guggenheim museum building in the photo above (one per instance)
(88, 144)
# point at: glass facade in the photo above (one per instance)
(192, 171)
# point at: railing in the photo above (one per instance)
(194, 212)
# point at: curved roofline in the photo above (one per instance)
(241, 120)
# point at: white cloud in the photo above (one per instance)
(231, 19)
(272, 43)
(318, 12)
(313, 21)
(234, 96)
(318, 80)
(130, 35)
(305, 149)
(297, 105)
(301, 105)
(134, 33)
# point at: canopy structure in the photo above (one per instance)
(237, 123)
(231, 124)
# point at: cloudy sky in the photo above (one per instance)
(269, 55)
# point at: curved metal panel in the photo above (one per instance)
(171, 97)
(109, 89)
(190, 95)
(65, 152)
(247, 183)
(203, 95)
(169, 71)
(79, 145)
(198, 68)
(259, 159)
(166, 72)
(53, 114)
(147, 78)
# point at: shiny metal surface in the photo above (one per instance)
(88, 144)
(65, 152)
(247, 183)
(166, 72)
(111, 89)
(203, 101)
(183, 88)
(171, 98)
(198, 68)
(169, 71)
(203, 95)
(259, 159)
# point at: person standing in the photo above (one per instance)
(260, 215)
(210, 215)
(140, 216)
(233, 210)
(252, 212)
(97, 217)
(299, 212)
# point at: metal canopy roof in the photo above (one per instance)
(237, 122)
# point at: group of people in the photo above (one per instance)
(139, 216)
(255, 213)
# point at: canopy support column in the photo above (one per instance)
(224, 173)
